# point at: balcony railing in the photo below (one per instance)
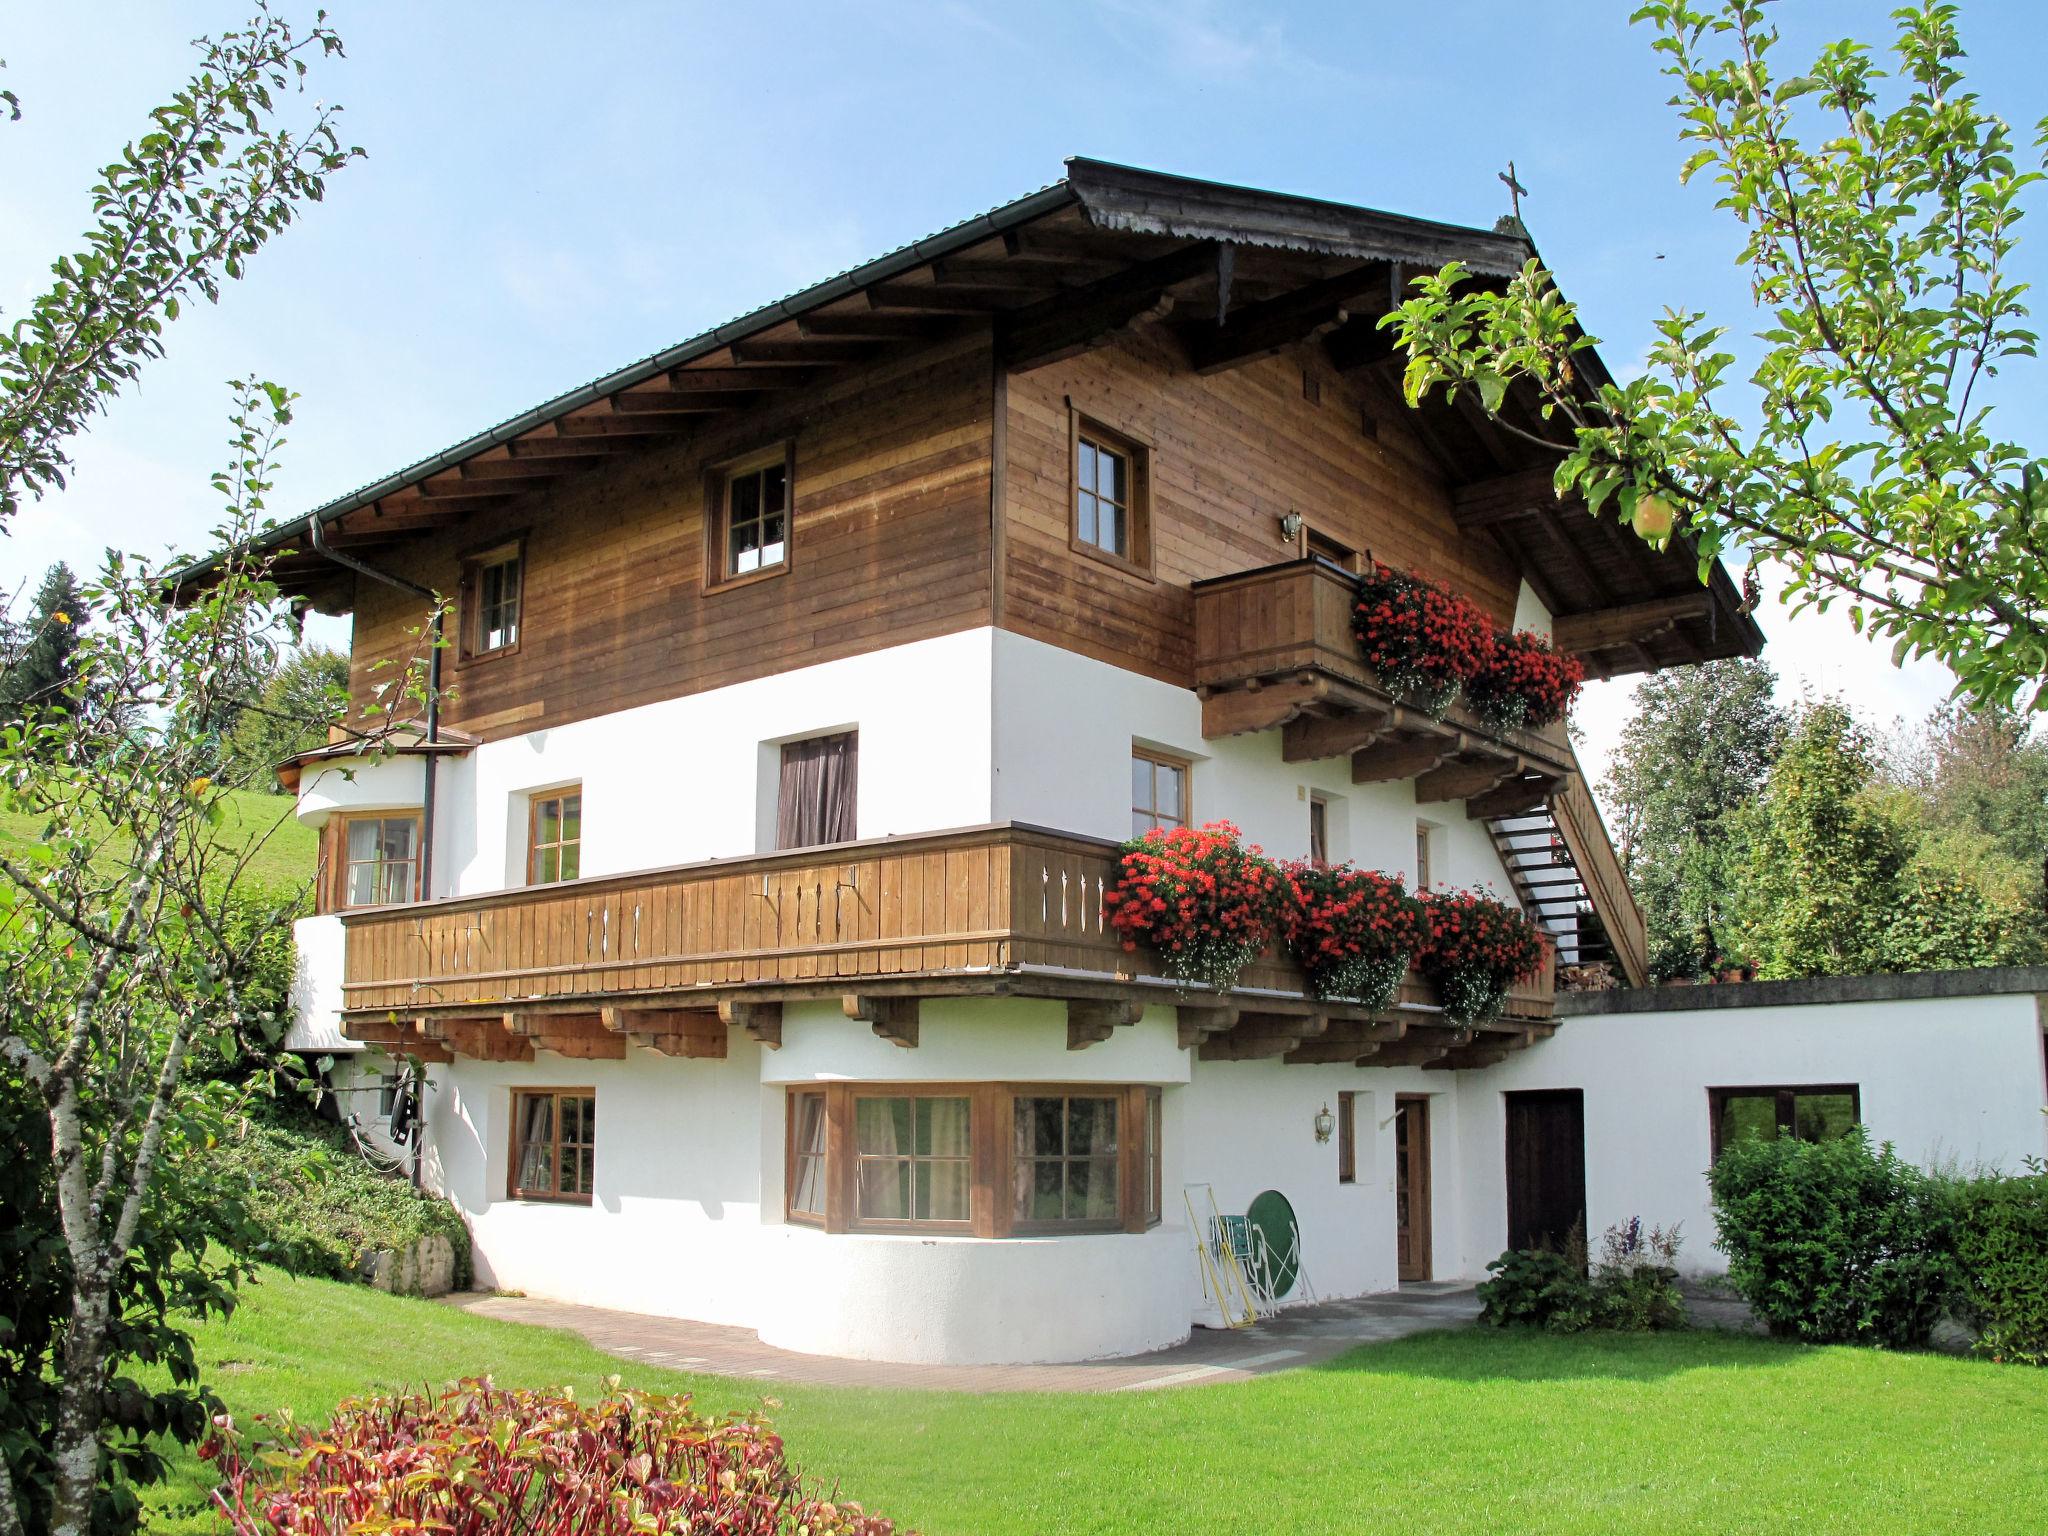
(1274, 649)
(1008, 908)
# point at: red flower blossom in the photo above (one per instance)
(1200, 897)
(1425, 641)
(1525, 682)
(1478, 948)
(1352, 930)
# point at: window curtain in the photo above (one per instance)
(949, 1176)
(816, 800)
(881, 1129)
(536, 1142)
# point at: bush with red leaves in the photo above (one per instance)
(477, 1460)
(1425, 641)
(1354, 931)
(1524, 682)
(1474, 949)
(1199, 897)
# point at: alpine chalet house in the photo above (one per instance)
(746, 896)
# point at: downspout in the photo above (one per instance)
(321, 545)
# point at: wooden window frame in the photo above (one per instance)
(1347, 1136)
(717, 506)
(1425, 855)
(332, 894)
(534, 801)
(543, 1197)
(1786, 1095)
(1319, 827)
(1139, 562)
(991, 1137)
(1162, 759)
(469, 598)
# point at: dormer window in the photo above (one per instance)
(749, 505)
(493, 592)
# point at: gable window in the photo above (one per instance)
(1112, 520)
(554, 1143)
(818, 792)
(493, 589)
(749, 515)
(1820, 1113)
(913, 1158)
(380, 860)
(554, 847)
(1159, 791)
(1066, 1163)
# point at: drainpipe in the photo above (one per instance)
(321, 545)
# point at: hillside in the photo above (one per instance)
(287, 857)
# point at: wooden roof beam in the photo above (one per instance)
(1604, 627)
(609, 424)
(576, 452)
(952, 272)
(695, 402)
(1261, 329)
(779, 376)
(1520, 493)
(802, 353)
(509, 468)
(930, 298)
(1077, 319)
(873, 325)
(454, 487)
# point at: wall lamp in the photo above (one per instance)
(1290, 525)
(1325, 1122)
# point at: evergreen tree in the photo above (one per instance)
(290, 713)
(40, 656)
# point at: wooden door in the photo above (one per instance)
(1546, 1135)
(1411, 1185)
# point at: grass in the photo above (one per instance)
(1471, 1431)
(287, 857)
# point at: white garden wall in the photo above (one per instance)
(1946, 1079)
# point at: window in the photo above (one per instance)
(980, 1159)
(748, 514)
(554, 837)
(1065, 1168)
(806, 1173)
(387, 1095)
(1336, 551)
(554, 1137)
(817, 794)
(1110, 517)
(1347, 1137)
(380, 860)
(1318, 829)
(1810, 1114)
(1423, 873)
(1159, 791)
(912, 1158)
(1155, 1138)
(493, 585)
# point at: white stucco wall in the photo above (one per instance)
(1064, 727)
(317, 949)
(1944, 1079)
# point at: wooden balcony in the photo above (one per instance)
(1274, 650)
(671, 957)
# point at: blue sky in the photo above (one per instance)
(551, 191)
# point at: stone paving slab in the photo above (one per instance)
(1297, 1337)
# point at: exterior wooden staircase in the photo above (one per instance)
(1565, 871)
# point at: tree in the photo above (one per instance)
(186, 205)
(131, 945)
(290, 713)
(1698, 746)
(1880, 213)
(1818, 859)
(40, 654)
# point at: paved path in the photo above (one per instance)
(1297, 1337)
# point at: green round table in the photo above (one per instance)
(1273, 1216)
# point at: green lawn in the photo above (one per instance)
(286, 858)
(1473, 1431)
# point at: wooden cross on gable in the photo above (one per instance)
(1516, 191)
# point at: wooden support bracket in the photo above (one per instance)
(1518, 796)
(1459, 781)
(894, 1018)
(1260, 706)
(1405, 758)
(1198, 1021)
(696, 1034)
(1262, 1036)
(762, 1021)
(484, 1039)
(1090, 1023)
(1318, 736)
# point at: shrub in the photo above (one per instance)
(1524, 682)
(316, 1208)
(1201, 898)
(1635, 1281)
(1424, 642)
(1353, 931)
(478, 1460)
(1475, 948)
(1832, 1241)
(1539, 1288)
(2001, 1244)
